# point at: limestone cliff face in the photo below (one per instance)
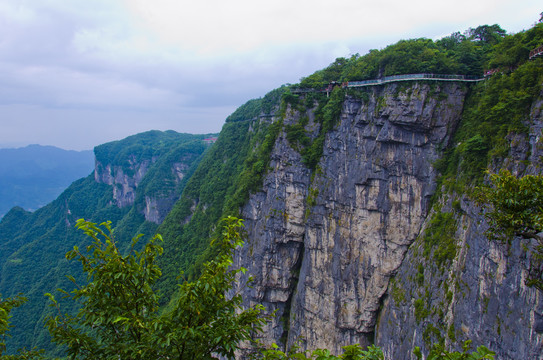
(482, 294)
(323, 247)
(126, 184)
(158, 206)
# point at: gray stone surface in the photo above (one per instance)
(338, 255)
(154, 207)
(324, 265)
(482, 294)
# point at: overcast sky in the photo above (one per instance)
(79, 73)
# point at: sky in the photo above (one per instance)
(78, 73)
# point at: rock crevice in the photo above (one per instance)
(323, 246)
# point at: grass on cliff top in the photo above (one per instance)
(494, 110)
(326, 114)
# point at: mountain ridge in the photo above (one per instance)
(34, 175)
(357, 201)
(33, 244)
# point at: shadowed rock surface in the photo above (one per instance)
(322, 249)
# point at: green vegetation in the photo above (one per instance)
(397, 292)
(455, 54)
(231, 170)
(438, 352)
(451, 333)
(311, 200)
(220, 179)
(494, 110)
(356, 352)
(135, 149)
(326, 115)
(439, 239)
(419, 277)
(351, 352)
(118, 311)
(514, 207)
(119, 314)
(32, 245)
(37, 244)
(6, 306)
(432, 332)
(255, 166)
(252, 109)
(421, 309)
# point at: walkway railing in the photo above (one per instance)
(411, 77)
(394, 78)
(536, 52)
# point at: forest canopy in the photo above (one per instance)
(468, 53)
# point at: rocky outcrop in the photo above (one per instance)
(179, 169)
(126, 181)
(324, 246)
(481, 294)
(157, 207)
(124, 185)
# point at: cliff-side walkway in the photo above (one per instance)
(393, 78)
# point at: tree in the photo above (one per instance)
(514, 207)
(350, 352)
(119, 315)
(487, 34)
(6, 305)
(355, 352)
(438, 352)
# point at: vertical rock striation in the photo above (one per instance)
(481, 294)
(151, 184)
(323, 246)
(124, 185)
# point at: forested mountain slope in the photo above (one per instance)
(136, 181)
(357, 181)
(357, 201)
(35, 175)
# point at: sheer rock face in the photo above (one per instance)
(125, 185)
(322, 248)
(482, 294)
(158, 206)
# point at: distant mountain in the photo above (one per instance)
(136, 182)
(33, 176)
(360, 221)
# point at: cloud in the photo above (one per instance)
(211, 28)
(131, 65)
(81, 129)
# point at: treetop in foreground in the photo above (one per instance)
(119, 315)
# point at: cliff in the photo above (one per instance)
(146, 172)
(323, 247)
(375, 245)
(135, 183)
(481, 293)
(360, 222)
(124, 186)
